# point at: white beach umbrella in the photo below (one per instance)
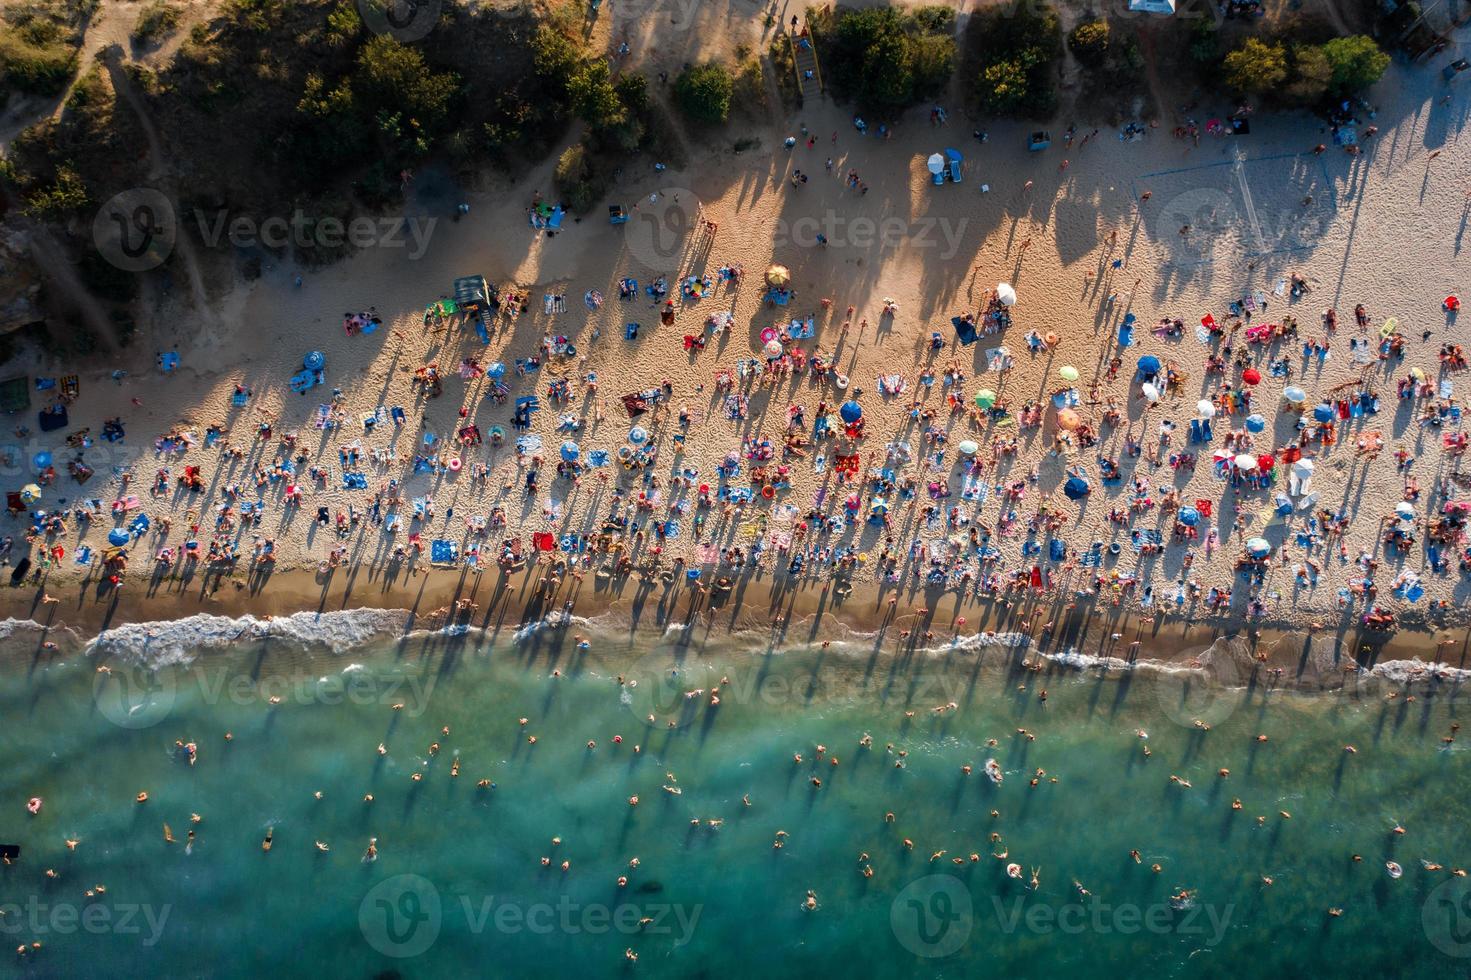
(1205, 408)
(1005, 294)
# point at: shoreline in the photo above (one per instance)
(508, 608)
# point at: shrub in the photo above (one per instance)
(885, 60)
(1356, 63)
(1256, 67)
(1089, 42)
(703, 92)
(1011, 55)
(577, 180)
(156, 21)
(1311, 76)
(36, 70)
(64, 195)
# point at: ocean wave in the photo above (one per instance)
(182, 640)
(1411, 671)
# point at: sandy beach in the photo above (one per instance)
(1153, 227)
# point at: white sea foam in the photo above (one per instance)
(181, 640)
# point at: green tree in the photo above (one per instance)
(593, 95)
(1005, 85)
(62, 196)
(1311, 75)
(1256, 67)
(1089, 42)
(394, 77)
(1356, 61)
(703, 92)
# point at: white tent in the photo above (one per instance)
(1165, 7)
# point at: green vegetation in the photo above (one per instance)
(1304, 74)
(749, 90)
(156, 21)
(1356, 63)
(38, 46)
(885, 60)
(1011, 56)
(66, 194)
(703, 92)
(1089, 42)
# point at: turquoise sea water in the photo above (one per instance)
(459, 885)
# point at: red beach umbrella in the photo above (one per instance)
(1251, 376)
(1266, 461)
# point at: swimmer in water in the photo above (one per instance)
(371, 854)
(265, 845)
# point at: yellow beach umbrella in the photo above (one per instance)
(1068, 373)
(778, 275)
(30, 493)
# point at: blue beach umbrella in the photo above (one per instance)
(638, 435)
(1258, 547)
(570, 451)
(496, 371)
(1189, 516)
(1255, 423)
(1323, 413)
(1148, 364)
(851, 412)
(1294, 394)
(41, 460)
(1076, 488)
(117, 537)
(315, 361)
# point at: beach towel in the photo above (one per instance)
(965, 331)
(54, 418)
(323, 416)
(1146, 536)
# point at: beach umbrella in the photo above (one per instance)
(1266, 461)
(935, 163)
(773, 349)
(315, 361)
(1405, 510)
(1258, 547)
(769, 334)
(1255, 423)
(1068, 373)
(570, 451)
(117, 537)
(30, 493)
(1323, 413)
(1151, 392)
(1068, 419)
(1148, 364)
(638, 435)
(1189, 516)
(968, 447)
(1005, 294)
(1246, 462)
(1206, 409)
(1251, 376)
(879, 506)
(778, 275)
(850, 412)
(1302, 468)
(41, 460)
(496, 371)
(985, 398)
(1076, 488)
(1294, 394)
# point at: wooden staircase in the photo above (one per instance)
(804, 59)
